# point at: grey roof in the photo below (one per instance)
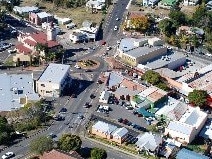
(126, 91)
(148, 141)
(114, 79)
(180, 127)
(187, 154)
(54, 73)
(13, 87)
(128, 43)
(120, 132)
(159, 63)
(43, 15)
(25, 9)
(104, 127)
(192, 118)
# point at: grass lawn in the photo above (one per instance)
(77, 15)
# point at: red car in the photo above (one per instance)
(103, 42)
(125, 121)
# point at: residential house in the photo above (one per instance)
(149, 142)
(188, 154)
(135, 51)
(190, 2)
(103, 129)
(40, 17)
(188, 127)
(150, 2)
(16, 90)
(167, 4)
(96, 4)
(25, 9)
(27, 47)
(104, 97)
(120, 135)
(58, 154)
(54, 81)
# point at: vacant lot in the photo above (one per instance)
(78, 15)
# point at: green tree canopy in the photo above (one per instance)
(178, 17)
(198, 97)
(167, 27)
(41, 144)
(152, 77)
(69, 142)
(98, 153)
(6, 131)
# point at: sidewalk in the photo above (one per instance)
(114, 148)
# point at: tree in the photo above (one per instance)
(98, 153)
(199, 16)
(140, 23)
(163, 86)
(69, 142)
(6, 131)
(167, 27)
(152, 77)
(178, 18)
(41, 144)
(198, 97)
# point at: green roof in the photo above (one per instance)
(145, 113)
(169, 2)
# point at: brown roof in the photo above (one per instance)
(22, 49)
(58, 154)
(132, 85)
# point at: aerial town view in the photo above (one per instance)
(106, 79)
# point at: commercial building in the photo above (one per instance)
(135, 51)
(16, 90)
(54, 81)
(188, 127)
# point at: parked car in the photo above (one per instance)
(115, 28)
(125, 121)
(120, 120)
(78, 67)
(87, 105)
(117, 19)
(62, 110)
(92, 96)
(11, 51)
(52, 135)
(8, 155)
(80, 117)
(108, 48)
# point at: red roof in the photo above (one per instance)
(52, 43)
(30, 42)
(22, 49)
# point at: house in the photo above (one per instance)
(148, 142)
(119, 135)
(25, 9)
(27, 47)
(40, 17)
(150, 2)
(58, 154)
(188, 127)
(16, 90)
(96, 4)
(188, 154)
(167, 4)
(104, 97)
(134, 51)
(190, 2)
(103, 130)
(54, 81)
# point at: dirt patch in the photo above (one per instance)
(77, 15)
(88, 64)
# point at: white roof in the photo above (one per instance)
(13, 87)
(25, 9)
(180, 127)
(54, 73)
(43, 15)
(104, 127)
(148, 91)
(120, 132)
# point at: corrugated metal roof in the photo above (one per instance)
(120, 132)
(180, 127)
(187, 154)
(104, 127)
(43, 15)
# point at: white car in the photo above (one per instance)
(117, 19)
(108, 48)
(78, 67)
(11, 51)
(115, 28)
(210, 55)
(8, 155)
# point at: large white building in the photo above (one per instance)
(54, 80)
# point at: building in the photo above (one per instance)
(62, 21)
(188, 127)
(188, 154)
(150, 2)
(16, 90)
(120, 135)
(167, 4)
(77, 37)
(40, 17)
(54, 81)
(186, 30)
(58, 154)
(25, 9)
(27, 47)
(96, 4)
(134, 51)
(190, 2)
(104, 97)
(103, 129)
(148, 142)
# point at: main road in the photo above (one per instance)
(74, 105)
